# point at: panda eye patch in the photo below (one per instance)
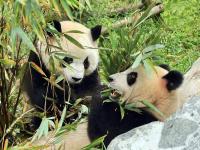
(131, 78)
(86, 63)
(68, 60)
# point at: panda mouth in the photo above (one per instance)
(115, 94)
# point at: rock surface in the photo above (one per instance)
(180, 132)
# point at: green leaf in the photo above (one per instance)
(40, 130)
(122, 112)
(67, 9)
(25, 39)
(107, 101)
(59, 78)
(74, 41)
(152, 107)
(153, 47)
(88, 4)
(137, 61)
(84, 109)
(75, 31)
(51, 123)
(37, 28)
(50, 28)
(7, 62)
(62, 119)
(106, 93)
(149, 68)
(56, 6)
(133, 107)
(94, 143)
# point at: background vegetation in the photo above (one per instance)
(179, 31)
(22, 21)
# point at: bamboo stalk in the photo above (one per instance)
(154, 11)
(127, 8)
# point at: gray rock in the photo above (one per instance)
(180, 132)
(176, 128)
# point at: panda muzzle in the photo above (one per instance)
(115, 94)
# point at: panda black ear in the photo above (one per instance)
(164, 66)
(96, 32)
(174, 79)
(56, 25)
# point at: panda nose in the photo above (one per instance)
(76, 79)
(110, 79)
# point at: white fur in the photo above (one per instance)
(75, 69)
(72, 140)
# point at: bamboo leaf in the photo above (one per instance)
(37, 28)
(152, 107)
(37, 68)
(59, 79)
(46, 128)
(58, 86)
(107, 101)
(74, 41)
(88, 4)
(56, 6)
(153, 47)
(62, 119)
(105, 93)
(84, 109)
(42, 128)
(75, 31)
(94, 143)
(149, 68)
(25, 39)
(67, 9)
(51, 123)
(137, 61)
(7, 62)
(122, 112)
(50, 28)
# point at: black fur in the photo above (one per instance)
(105, 118)
(174, 80)
(56, 25)
(164, 66)
(131, 78)
(86, 63)
(37, 87)
(96, 32)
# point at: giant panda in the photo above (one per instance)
(160, 88)
(80, 74)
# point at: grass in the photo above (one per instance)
(182, 39)
(180, 31)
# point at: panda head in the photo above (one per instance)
(80, 62)
(135, 85)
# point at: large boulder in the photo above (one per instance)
(180, 132)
